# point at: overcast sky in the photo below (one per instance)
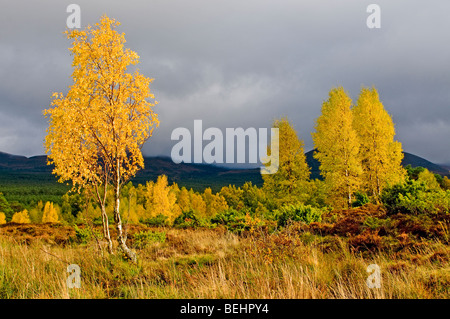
(241, 63)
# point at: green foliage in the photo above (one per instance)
(159, 220)
(189, 219)
(226, 217)
(298, 212)
(233, 196)
(414, 197)
(413, 172)
(430, 180)
(360, 199)
(237, 221)
(374, 223)
(97, 221)
(144, 238)
(5, 207)
(85, 235)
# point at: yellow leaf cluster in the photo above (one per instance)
(380, 155)
(289, 183)
(161, 200)
(21, 217)
(97, 129)
(337, 148)
(50, 214)
(2, 218)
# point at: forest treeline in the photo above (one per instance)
(360, 162)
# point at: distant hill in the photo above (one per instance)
(408, 158)
(20, 170)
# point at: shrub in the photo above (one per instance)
(413, 197)
(189, 219)
(227, 216)
(143, 239)
(237, 221)
(85, 235)
(160, 220)
(2, 218)
(298, 212)
(361, 199)
(21, 217)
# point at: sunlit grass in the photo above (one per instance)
(206, 263)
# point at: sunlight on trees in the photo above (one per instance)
(50, 214)
(289, 184)
(97, 130)
(337, 149)
(380, 155)
(21, 217)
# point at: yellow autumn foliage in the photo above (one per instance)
(337, 149)
(381, 156)
(161, 199)
(50, 214)
(21, 217)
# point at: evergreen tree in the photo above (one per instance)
(5, 207)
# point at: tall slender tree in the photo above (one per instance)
(289, 184)
(337, 148)
(97, 130)
(380, 154)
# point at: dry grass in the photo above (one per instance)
(207, 263)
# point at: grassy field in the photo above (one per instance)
(214, 263)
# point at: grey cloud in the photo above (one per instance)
(241, 63)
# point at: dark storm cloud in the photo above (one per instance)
(241, 63)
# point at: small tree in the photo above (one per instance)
(2, 218)
(21, 217)
(97, 130)
(50, 215)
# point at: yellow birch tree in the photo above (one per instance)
(337, 148)
(289, 184)
(380, 154)
(21, 217)
(97, 130)
(50, 214)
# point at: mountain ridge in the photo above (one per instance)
(187, 173)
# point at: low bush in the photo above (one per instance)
(160, 220)
(143, 238)
(298, 212)
(360, 199)
(85, 235)
(189, 219)
(413, 197)
(239, 221)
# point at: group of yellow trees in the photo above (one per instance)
(355, 147)
(161, 199)
(96, 132)
(47, 213)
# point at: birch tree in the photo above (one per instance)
(96, 131)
